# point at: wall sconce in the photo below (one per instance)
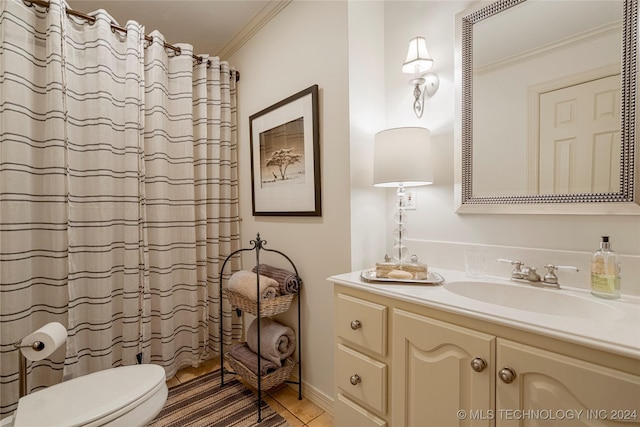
(419, 61)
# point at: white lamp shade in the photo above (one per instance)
(418, 59)
(402, 156)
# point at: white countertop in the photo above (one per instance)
(618, 334)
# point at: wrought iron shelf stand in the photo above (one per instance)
(258, 245)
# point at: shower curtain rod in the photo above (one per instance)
(91, 19)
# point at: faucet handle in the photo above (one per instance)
(552, 268)
(517, 272)
(517, 264)
(567, 267)
(551, 277)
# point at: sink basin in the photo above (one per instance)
(556, 302)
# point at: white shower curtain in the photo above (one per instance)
(118, 195)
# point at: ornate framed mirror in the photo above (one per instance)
(546, 107)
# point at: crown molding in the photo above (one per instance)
(259, 20)
(564, 43)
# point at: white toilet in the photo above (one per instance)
(128, 396)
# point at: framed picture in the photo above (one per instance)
(285, 157)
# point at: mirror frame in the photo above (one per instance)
(624, 202)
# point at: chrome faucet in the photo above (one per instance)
(530, 274)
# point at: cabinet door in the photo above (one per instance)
(433, 381)
(550, 389)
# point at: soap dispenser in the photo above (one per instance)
(605, 271)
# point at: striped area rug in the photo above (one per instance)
(202, 402)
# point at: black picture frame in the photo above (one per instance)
(285, 157)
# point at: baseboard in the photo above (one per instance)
(315, 396)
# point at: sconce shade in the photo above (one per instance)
(418, 59)
(402, 156)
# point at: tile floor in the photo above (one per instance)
(283, 399)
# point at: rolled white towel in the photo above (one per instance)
(244, 282)
(277, 341)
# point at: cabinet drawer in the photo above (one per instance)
(362, 377)
(348, 414)
(362, 323)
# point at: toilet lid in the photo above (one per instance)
(96, 396)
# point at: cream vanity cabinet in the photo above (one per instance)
(445, 369)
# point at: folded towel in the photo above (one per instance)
(248, 358)
(277, 341)
(244, 282)
(288, 281)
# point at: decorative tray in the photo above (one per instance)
(433, 278)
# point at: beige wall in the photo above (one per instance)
(367, 116)
(305, 44)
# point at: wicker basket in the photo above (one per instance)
(268, 307)
(267, 381)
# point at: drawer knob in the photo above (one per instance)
(478, 364)
(355, 379)
(507, 375)
(356, 324)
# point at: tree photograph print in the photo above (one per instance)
(282, 154)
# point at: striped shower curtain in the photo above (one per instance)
(118, 195)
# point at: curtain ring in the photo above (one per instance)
(176, 50)
(119, 31)
(35, 6)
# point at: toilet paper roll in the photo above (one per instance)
(52, 336)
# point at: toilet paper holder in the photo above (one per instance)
(22, 364)
(38, 345)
